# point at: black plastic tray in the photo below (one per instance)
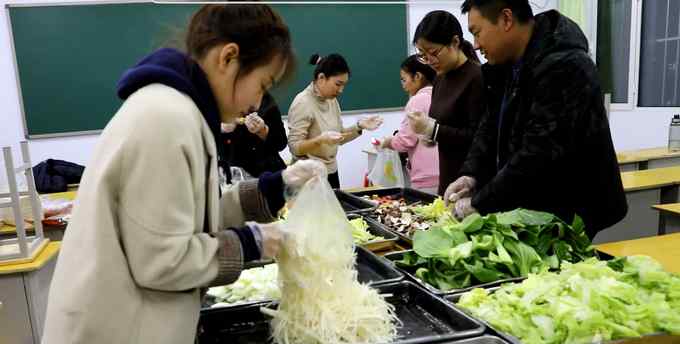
(372, 270)
(410, 195)
(410, 274)
(486, 339)
(354, 205)
(656, 338)
(425, 319)
(378, 229)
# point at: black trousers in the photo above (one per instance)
(334, 180)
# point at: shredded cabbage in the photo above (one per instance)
(322, 301)
(587, 302)
(256, 284)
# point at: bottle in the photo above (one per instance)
(674, 134)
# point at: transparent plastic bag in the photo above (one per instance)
(387, 170)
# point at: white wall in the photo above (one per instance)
(630, 129)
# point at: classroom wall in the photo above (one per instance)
(630, 129)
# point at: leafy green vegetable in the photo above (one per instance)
(433, 211)
(586, 302)
(359, 232)
(481, 249)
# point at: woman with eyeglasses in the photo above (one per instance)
(457, 104)
(314, 123)
(423, 158)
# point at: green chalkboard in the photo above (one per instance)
(69, 57)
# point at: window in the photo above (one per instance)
(660, 53)
(613, 47)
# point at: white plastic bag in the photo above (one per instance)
(322, 300)
(387, 170)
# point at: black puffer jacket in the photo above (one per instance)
(554, 150)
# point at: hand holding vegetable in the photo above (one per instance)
(370, 123)
(464, 208)
(272, 239)
(297, 174)
(421, 123)
(461, 188)
(254, 123)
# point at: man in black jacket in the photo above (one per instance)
(545, 142)
(254, 143)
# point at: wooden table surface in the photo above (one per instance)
(638, 155)
(650, 179)
(663, 248)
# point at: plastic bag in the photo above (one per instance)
(387, 169)
(320, 228)
(322, 300)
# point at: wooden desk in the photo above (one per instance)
(663, 248)
(648, 158)
(643, 190)
(23, 292)
(669, 217)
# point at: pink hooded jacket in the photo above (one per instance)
(424, 160)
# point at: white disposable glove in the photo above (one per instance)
(385, 142)
(421, 123)
(370, 122)
(254, 123)
(464, 208)
(330, 137)
(461, 188)
(297, 174)
(272, 240)
(228, 127)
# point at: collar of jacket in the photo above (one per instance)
(177, 70)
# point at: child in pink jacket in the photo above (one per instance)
(423, 166)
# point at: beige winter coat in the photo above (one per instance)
(309, 116)
(135, 253)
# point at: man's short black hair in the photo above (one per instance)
(491, 9)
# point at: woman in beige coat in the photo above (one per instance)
(149, 228)
(314, 123)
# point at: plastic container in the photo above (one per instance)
(354, 205)
(377, 229)
(425, 319)
(371, 269)
(410, 195)
(674, 134)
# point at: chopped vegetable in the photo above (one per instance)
(484, 249)
(359, 232)
(254, 284)
(587, 302)
(322, 301)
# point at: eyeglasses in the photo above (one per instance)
(427, 58)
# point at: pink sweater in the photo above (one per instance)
(424, 160)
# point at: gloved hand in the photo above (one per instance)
(254, 123)
(461, 188)
(297, 174)
(370, 122)
(269, 238)
(330, 137)
(464, 208)
(228, 127)
(421, 123)
(385, 142)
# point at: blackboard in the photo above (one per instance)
(69, 57)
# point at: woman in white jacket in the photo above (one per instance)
(149, 228)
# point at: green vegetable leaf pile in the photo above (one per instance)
(586, 302)
(482, 249)
(360, 234)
